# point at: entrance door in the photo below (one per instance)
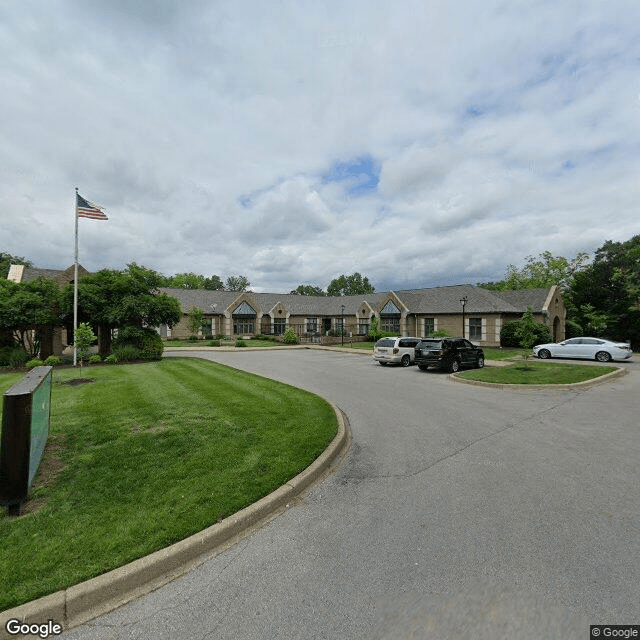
(326, 325)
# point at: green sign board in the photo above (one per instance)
(25, 429)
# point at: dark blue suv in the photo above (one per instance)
(448, 353)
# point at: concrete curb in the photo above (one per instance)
(575, 386)
(97, 596)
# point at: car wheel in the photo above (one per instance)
(544, 354)
(454, 367)
(382, 364)
(603, 356)
(423, 367)
(406, 360)
(480, 362)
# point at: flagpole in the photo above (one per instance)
(75, 288)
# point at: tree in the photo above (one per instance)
(351, 285)
(6, 260)
(544, 271)
(112, 299)
(308, 290)
(608, 288)
(213, 283)
(186, 281)
(237, 283)
(27, 310)
(195, 318)
(84, 338)
(528, 333)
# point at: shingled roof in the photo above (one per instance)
(437, 300)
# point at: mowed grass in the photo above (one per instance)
(196, 344)
(537, 373)
(146, 455)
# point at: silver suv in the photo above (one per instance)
(395, 350)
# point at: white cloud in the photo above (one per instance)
(500, 131)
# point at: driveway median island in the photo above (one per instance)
(532, 373)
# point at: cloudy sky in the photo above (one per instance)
(420, 143)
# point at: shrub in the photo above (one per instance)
(13, 357)
(112, 359)
(95, 359)
(147, 341)
(53, 361)
(35, 362)
(126, 353)
(193, 338)
(214, 343)
(240, 343)
(572, 329)
(440, 333)
(510, 335)
(290, 337)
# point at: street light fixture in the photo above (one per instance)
(463, 300)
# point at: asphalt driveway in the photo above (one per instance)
(462, 511)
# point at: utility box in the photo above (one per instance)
(25, 429)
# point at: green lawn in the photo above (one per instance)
(223, 343)
(366, 346)
(535, 372)
(496, 353)
(145, 455)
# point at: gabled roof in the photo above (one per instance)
(437, 300)
(27, 274)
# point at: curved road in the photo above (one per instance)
(459, 511)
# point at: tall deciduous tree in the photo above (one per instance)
(308, 290)
(544, 271)
(352, 285)
(237, 283)
(27, 310)
(111, 299)
(6, 260)
(607, 291)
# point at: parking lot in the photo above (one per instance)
(466, 510)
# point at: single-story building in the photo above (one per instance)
(415, 312)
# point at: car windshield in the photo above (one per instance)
(385, 342)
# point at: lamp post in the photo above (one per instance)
(342, 327)
(463, 300)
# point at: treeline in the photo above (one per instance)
(602, 295)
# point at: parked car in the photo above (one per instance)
(589, 348)
(395, 350)
(448, 353)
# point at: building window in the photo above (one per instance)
(243, 326)
(363, 328)
(312, 325)
(391, 324)
(338, 326)
(279, 325)
(475, 328)
(429, 326)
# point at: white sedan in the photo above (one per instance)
(589, 348)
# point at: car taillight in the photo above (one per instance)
(396, 350)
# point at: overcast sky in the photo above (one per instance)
(419, 143)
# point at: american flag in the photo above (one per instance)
(86, 209)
